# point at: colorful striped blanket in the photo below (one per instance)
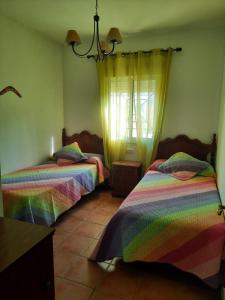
(41, 193)
(169, 221)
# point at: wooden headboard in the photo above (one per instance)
(89, 143)
(182, 143)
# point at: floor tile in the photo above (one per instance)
(58, 237)
(68, 224)
(76, 243)
(99, 218)
(92, 204)
(101, 296)
(66, 290)
(80, 269)
(90, 249)
(122, 282)
(107, 211)
(62, 261)
(153, 291)
(156, 281)
(89, 229)
(91, 201)
(81, 213)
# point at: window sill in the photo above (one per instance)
(131, 147)
(130, 150)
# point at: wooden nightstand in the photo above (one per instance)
(124, 177)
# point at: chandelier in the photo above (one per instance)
(102, 47)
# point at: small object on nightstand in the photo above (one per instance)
(125, 176)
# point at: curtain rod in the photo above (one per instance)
(177, 49)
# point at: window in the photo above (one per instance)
(132, 108)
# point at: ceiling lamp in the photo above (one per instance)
(102, 47)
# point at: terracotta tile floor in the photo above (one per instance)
(76, 278)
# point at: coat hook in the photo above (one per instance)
(10, 89)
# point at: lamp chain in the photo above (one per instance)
(96, 7)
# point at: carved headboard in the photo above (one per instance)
(88, 142)
(182, 143)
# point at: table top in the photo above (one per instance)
(17, 238)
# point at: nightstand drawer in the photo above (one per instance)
(125, 175)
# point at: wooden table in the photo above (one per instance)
(26, 261)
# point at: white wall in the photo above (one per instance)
(81, 101)
(33, 64)
(194, 87)
(29, 126)
(220, 163)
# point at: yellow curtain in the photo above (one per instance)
(151, 72)
(114, 93)
(133, 93)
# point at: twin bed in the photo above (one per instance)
(40, 194)
(172, 221)
(164, 219)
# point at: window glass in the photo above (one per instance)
(131, 104)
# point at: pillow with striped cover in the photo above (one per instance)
(72, 152)
(154, 166)
(181, 161)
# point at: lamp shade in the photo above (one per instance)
(73, 37)
(114, 36)
(104, 47)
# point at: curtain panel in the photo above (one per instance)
(133, 94)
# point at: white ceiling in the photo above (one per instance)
(55, 17)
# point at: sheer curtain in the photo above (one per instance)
(115, 100)
(133, 93)
(151, 73)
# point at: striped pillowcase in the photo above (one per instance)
(181, 161)
(183, 175)
(154, 166)
(72, 152)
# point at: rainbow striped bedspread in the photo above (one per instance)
(41, 193)
(169, 221)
